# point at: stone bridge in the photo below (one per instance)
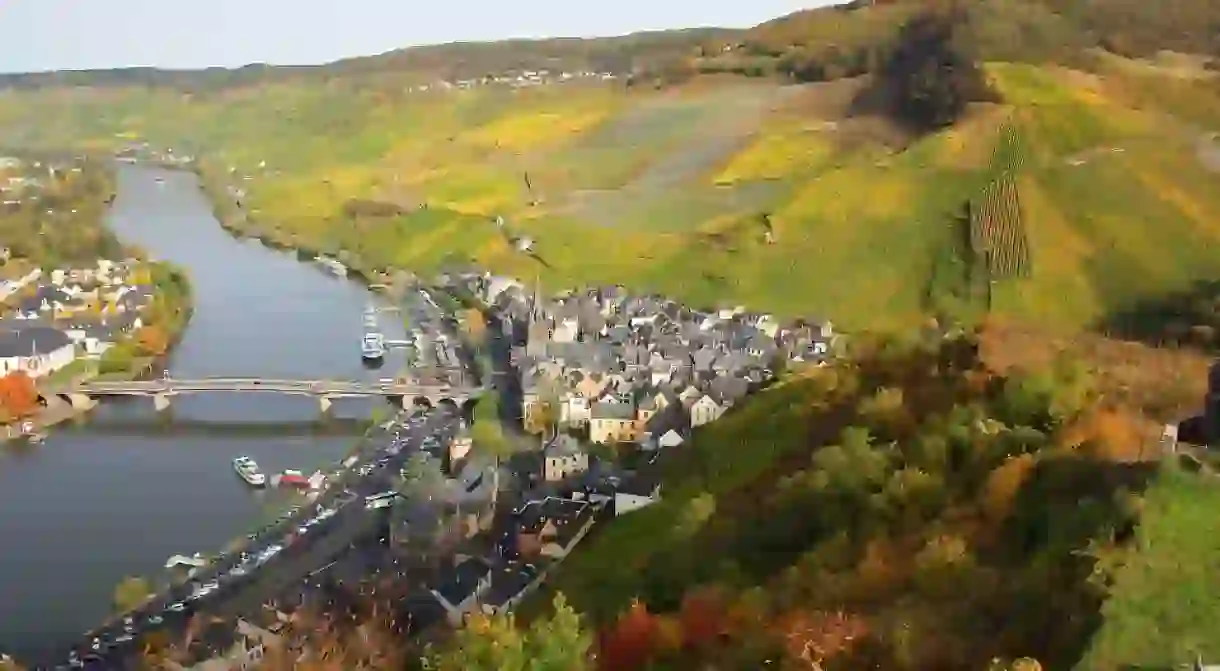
(82, 394)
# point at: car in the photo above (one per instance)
(238, 571)
(125, 638)
(154, 620)
(176, 607)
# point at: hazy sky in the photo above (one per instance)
(76, 34)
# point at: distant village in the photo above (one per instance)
(520, 79)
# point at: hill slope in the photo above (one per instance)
(780, 195)
(941, 514)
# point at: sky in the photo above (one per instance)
(37, 35)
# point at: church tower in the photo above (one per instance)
(539, 332)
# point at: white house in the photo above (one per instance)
(704, 411)
(574, 411)
(567, 330)
(37, 350)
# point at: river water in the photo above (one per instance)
(119, 494)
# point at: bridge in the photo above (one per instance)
(82, 394)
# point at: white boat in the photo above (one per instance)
(332, 265)
(372, 346)
(248, 470)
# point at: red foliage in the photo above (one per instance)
(704, 616)
(629, 644)
(18, 396)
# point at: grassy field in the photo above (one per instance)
(1165, 598)
(666, 190)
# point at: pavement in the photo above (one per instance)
(266, 572)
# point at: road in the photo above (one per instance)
(302, 550)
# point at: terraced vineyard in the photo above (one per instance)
(997, 232)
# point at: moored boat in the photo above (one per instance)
(249, 471)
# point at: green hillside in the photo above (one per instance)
(1082, 191)
(946, 515)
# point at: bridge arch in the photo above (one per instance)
(422, 402)
(448, 404)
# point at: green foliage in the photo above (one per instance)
(130, 593)
(1165, 596)
(863, 488)
(555, 643)
(64, 226)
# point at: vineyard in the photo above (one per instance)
(997, 231)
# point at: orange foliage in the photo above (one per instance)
(814, 638)
(152, 340)
(18, 396)
(1002, 486)
(1109, 434)
(629, 644)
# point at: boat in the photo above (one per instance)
(293, 479)
(332, 265)
(248, 470)
(372, 346)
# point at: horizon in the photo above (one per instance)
(230, 34)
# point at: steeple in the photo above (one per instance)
(536, 303)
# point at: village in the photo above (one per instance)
(608, 383)
(64, 322)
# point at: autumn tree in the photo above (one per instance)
(629, 643)
(18, 395)
(152, 340)
(813, 638)
(555, 643)
(130, 593)
(703, 616)
(1002, 486)
(474, 324)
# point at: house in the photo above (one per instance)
(637, 493)
(704, 411)
(563, 458)
(551, 527)
(36, 350)
(468, 581)
(612, 421)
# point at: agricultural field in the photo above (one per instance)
(1110, 202)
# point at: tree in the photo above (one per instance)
(555, 643)
(130, 593)
(929, 79)
(152, 340)
(18, 395)
(475, 326)
(629, 643)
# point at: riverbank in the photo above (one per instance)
(229, 209)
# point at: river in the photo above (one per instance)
(119, 494)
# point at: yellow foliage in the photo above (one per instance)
(779, 154)
(521, 132)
